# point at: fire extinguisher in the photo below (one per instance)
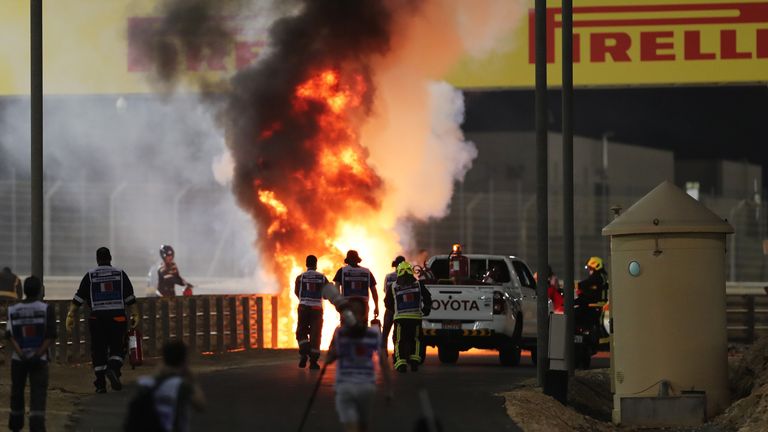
(135, 352)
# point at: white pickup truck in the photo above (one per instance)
(498, 315)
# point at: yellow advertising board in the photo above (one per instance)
(637, 42)
(90, 47)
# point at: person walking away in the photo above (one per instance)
(309, 329)
(163, 402)
(389, 312)
(168, 274)
(411, 301)
(355, 281)
(31, 330)
(10, 285)
(108, 292)
(354, 346)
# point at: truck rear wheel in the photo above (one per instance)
(447, 354)
(509, 354)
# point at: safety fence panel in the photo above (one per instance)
(747, 317)
(207, 324)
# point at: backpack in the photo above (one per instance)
(142, 414)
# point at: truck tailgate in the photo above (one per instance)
(461, 302)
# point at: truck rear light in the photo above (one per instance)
(498, 303)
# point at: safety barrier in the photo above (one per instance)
(208, 324)
(747, 311)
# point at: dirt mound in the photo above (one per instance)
(589, 398)
(533, 411)
(749, 384)
(752, 371)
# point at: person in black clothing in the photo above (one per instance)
(308, 288)
(31, 330)
(592, 294)
(174, 390)
(389, 311)
(168, 274)
(108, 292)
(356, 282)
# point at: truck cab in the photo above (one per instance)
(494, 308)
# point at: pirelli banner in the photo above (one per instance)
(90, 46)
(636, 42)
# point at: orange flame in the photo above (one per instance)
(326, 207)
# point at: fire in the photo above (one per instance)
(328, 205)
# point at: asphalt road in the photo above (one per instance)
(273, 398)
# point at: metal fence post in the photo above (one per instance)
(219, 324)
(750, 300)
(62, 354)
(260, 322)
(245, 302)
(207, 324)
(165, 319)
(192, 304)
(233, 323)
(274, 322)
(179, 309)
(76, 336)
(152, 315)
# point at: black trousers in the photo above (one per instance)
(107, 344)
(407, 344)
(389, 316)
(309, 332)
(38, 390)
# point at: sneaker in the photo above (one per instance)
(303, 362)
(313, 365)
(114, 380)
(402, 368)
(101, 389)
(414, 366)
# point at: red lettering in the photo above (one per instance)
(728, 46)
(651, 44)
(576, 48)
(212, 59)
(246, 53)
(762, 43)
(618, 49)
(693, 47)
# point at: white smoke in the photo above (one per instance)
(415, 139)
(142, 165)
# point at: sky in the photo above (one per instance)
(724, 122)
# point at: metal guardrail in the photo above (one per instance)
(208, 324)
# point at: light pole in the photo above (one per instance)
(36, 145)
(542, 193)
(568, 224)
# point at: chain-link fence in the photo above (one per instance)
(133, 220)
(206, 229)
(504, 222)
